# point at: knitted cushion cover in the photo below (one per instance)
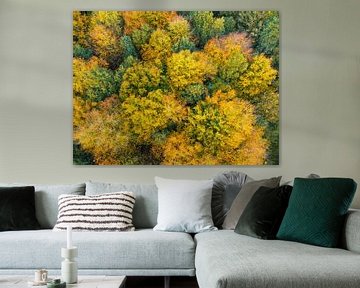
(105, 212)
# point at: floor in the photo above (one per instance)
(158, 282)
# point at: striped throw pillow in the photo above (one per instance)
(105, 212)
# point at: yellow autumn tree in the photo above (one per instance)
(185, 68)
(158, 48)
(109, 19)
(179, 28)
(106, 43)
(81, 24)
(101, 134)
(81, 107)
(231, 54)
(258, 77)
(140, 79)
(220, 130)
(133, 20)
(144, 116)
(81, 70)
(92, 80)
(105, 31)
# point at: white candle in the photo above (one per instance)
(69, 237)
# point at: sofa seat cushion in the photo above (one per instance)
(226, 259)
(142, 249)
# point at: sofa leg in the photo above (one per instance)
(167, 282)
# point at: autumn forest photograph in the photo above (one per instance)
(176, 87)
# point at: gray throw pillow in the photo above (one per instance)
(184, 205)
(226, 187)
(46, 200)
(242, 199)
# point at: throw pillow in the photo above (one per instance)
(316, 212)
(243, 198)
(17, 208)
(226, 187)
(105, 212)
(263, 215)
(184, 205)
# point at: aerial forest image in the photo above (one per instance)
(176, 87)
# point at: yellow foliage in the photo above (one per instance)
(108, 19)
(132, 20)
(147, 115)
(81, 68)
(80, 28)
(101, 134)
(220, 49)
(155, 19)
(178, 150)
(159, 19)
(251, 152)
(105, 42)
(231, 54)
(258, 77)
(185, 68)
(81, 108)
(139, 79)
(220, 130)
(179, 28)
(182, 108)
(159, 46)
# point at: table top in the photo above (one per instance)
(84, 281)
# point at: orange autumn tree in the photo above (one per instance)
(154, 87)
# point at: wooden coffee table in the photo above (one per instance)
(84, 281)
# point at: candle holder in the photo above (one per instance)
(69, 272)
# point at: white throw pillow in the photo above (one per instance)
(184, 205)
(105, 212)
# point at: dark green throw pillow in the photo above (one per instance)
(316, 211)
(17, 208)
(263, 214)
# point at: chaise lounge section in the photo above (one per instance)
(225, 259)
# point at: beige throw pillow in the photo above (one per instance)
(243, 198)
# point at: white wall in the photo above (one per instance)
(320, 90)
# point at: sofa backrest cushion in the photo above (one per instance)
(146, 204)
(46, 200)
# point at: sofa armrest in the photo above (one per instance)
(351, 234)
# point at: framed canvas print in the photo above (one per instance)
(176, 87)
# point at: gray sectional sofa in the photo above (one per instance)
(219, 259)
